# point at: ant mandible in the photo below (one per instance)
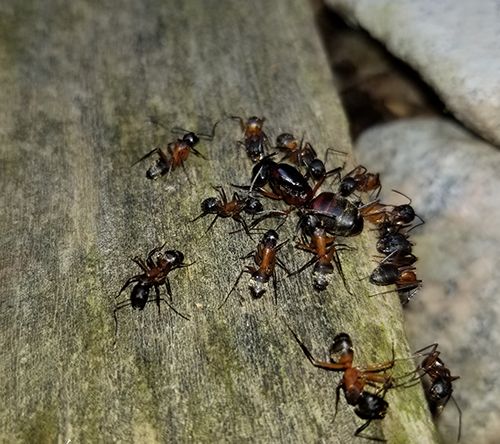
(222, 207)
(155, 269)
(368, 406)
(265, 257)
(254, 138)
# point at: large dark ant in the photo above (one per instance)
(155, 273)
(266, 260)
(255, 139)
(368, 406)
(403, 276)
(359, 179)
(176, 152)
(337, 214)
(222, 207)
(324, 249)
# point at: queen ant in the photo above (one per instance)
(368, 406)
(254, 138)
(324, 249)
(155, 269)
(176, 152)
(265, 257)
(223, 208)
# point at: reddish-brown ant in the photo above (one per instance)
(175, 153)
(222, 207)
(438, 384)
(155, 269)
(368, 406)
(359, 179)
(254, 138)
(266, 260)
(324, 249)
(403, 276)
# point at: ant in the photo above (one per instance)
(304, 155)
(255, 139)
(403, 276)
(396, 244)
(266, 260)
(439, 387)
(155, 269)
(324, 249)
(176, 152)
(222, 207)
(359, 179)
(368, 406)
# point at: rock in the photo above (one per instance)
(453, 44)
(453, 180)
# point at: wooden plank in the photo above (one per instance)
(78, 81)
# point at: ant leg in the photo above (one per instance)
(363, 427)
(240, 120)
(241, 221)
(129, 281)
(338, 264)
(185, 172)
(275, 287)
(459, 417)
(154, 150)
(141, 263)
(169, 289)
(304, 267)
(211, 224)
(198, 217)
(197, 153)
(337, 398)
(232, 288)
(158, 298)
(280, 263)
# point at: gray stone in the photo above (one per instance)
(453, 181)
(453, 44)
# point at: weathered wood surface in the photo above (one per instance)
(78, 81)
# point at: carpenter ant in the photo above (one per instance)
(255, 139)
(176, 152)
(266, 260)
(337, 214)
(304, 155)
(438, 385)
(155, 273)
(396, 244)
(368, 406)
(222, 207)
(324, 249)
(359, 179)
(403, 276)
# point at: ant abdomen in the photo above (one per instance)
(139, 295)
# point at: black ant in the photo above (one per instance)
(359, 179)
(324, 249)
(176, 152)
(222, 207)
(255, 139)
(368, 406)
(155, 273)
(266, 260)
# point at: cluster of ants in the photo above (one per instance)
(322, 218)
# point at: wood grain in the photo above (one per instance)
(78, 82)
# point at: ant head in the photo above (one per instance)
(371, 406)
(253, 206)
(210, 205)
(347, 186)
(341, 347)
(404, 213)
(270, 238)
(173, 257)
(286, 141)
(191, 139)
(395, 243)
(317, 169)
(255, 122)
